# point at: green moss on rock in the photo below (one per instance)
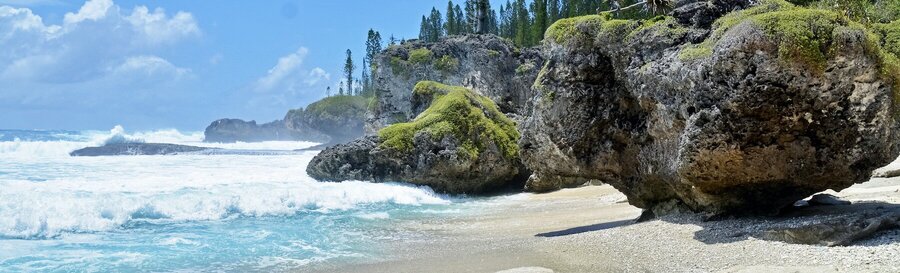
(473, 120)
(398, 66)
(524, 68)
(584, 30)
(420, 56)
(447, 64)
(338, 106)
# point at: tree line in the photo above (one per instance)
(524, 22)
(362, 86)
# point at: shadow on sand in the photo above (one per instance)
(862, 223)
(583, 229)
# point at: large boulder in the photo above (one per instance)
(460, 143)
(486, 64)
(770, 105)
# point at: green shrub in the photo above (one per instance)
(447, 64)
(420, 56)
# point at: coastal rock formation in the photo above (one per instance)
(486, 64)
(117, 149)
(341, 118)
(765, 107)
(236, 130)
(330, 120)
(461, 143)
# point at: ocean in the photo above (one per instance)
(253, 212)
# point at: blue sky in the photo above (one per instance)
(179, 64)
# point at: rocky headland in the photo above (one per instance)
(725, 107)
(331, 120)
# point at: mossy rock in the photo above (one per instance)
(471, 119)
(804, 35)
(420, 56)
(447, 64)
(342, 117)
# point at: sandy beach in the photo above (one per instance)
(591, 229)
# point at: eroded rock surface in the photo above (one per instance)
(486, 64)
(461, 143)
(768, 106)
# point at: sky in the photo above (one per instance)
(80, 65)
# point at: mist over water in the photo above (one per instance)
(185, 212)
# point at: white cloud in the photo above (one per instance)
(317, 75)
(157, 28)
(91, 10)
(284, 72)
(88, 42)
(150, 66)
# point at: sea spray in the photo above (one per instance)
(152, 213)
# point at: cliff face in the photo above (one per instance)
(486, 64)
(767, 106)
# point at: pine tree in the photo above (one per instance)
(523, 24)
(450, 25)
(341, 91)
(373, 47)
(471, 16)
(328, 91)
(348, 71)
(553, 11)
(436, 24)
(424, 34)
(460, 20)
(539, 9)
(483, 13)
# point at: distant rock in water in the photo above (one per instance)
(460, 143)
(117, 149)
(765, 107)
(341, 118)
(236, 130)
(330, 120)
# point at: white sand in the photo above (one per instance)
(590, 231)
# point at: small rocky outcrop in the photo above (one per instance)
(766, 106)
(236, 130)
(119, 149)
(486, 64)
(330, 120)
(341, 118)
(460, 143)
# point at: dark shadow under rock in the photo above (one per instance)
(837, 225)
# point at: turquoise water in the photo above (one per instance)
(222, 213)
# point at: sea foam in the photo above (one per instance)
(46, 193)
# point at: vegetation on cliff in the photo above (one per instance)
(473, 120)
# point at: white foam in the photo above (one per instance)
(22, 150)
(105, 193)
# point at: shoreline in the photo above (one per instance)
(591, 229)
